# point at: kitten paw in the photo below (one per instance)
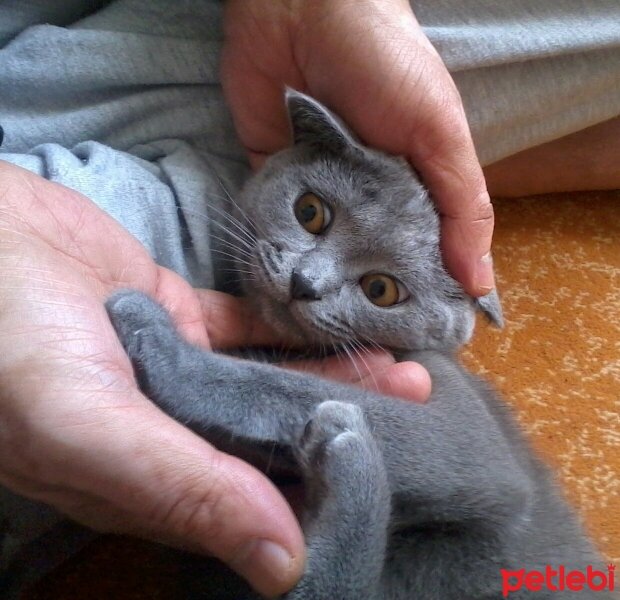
(333, 427)
(342, 465)
(133, 314)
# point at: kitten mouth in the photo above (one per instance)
(332, 329)
(289, 319)
(288, 315)
(317, 328)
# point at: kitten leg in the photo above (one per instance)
(222, 398)
(212, 394)
(348, 506)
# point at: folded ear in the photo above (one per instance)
(490, 306)
(314, 124)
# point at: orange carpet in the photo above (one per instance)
(557, 362)
(558, 359)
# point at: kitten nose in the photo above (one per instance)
(301, 288)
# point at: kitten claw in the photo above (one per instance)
(133, 314)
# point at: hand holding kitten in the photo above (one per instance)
(75, 431)
(370, 62)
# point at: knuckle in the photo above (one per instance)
(445, 143)
(482, 210)
(197, 510)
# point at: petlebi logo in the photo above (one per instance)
(558, 579)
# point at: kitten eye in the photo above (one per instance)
(383, 290)
(312, 213)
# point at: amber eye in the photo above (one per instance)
(383, 290)
(312, 213)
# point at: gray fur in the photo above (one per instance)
(402, 500)
(383, 220)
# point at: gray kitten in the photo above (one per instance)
(438, 501)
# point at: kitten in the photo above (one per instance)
(402, 500)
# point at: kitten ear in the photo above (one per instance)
(491, 307)
(314, 124)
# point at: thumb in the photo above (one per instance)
(174, 487)
(221, 505)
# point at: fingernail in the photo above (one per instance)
(266, 565)
(485, 279)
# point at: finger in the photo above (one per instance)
(407, 380)
(257, 159)
(184, 307)
(449, 166)
(350, 368)
(466, 248)
(232, 322)
(438, 142)
(221, 505)
(375, 371)
(262, 123)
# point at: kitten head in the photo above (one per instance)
(347, 244)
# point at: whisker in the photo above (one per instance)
(289, 349)
(244, 243)
(363, 348)
(337, 351)
(366, 338)
(234, 221)
(234, 203)
(237, 271)
(376, 344)
(270, 461)
(231, 245)
(247, 241)
(233, 257)
(229, 197)
(355, 348)
(346, 349)
(242, 275)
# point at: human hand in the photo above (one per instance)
(76, 433)
(372, 64)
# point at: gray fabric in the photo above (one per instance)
(125, 106)
(121, 101)
(141, 79)
(528, 71)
